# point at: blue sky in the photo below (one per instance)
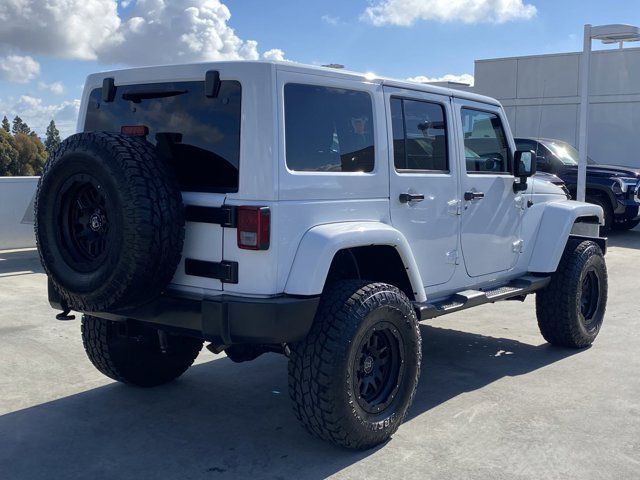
(393, 38)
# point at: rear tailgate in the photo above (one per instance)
(202, 252)
(195, 129)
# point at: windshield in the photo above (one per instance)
(565, 152)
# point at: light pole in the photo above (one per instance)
(615, 33)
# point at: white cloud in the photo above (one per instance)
(464, 78)
(330, 19)
(273, 54)
(38, 114)
(16, 68)
(407, 12)
(62, 28)
(56, 88)
(155, 31)
(170, 31)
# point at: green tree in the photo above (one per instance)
(6, 126)
(31, 154)
(52, 139)
(19, 126)
(8, 154)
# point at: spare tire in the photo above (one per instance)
(109, 221)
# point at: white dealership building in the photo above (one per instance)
(541, 95)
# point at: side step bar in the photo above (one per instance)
(519, 287)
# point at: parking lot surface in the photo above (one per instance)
(494, 401)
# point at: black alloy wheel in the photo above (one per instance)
(353, 378)
(83, 222)
(571, 308)
(590, 299)
(379, 367)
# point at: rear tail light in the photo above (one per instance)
(254, 225)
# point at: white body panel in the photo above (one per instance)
(310, 267)
(432, 225)
(333, 185)
(555, 226)
(316, 214)
(202, 241)
(491, 225)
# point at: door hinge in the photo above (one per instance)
(225, 271)
(224, 216)
(453, 258)
(520, 203)
(454, 207)
(518, 246)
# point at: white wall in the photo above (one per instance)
(16, 212)
(541, 97)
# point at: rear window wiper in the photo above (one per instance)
(137, 97)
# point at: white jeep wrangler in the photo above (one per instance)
(274, 207)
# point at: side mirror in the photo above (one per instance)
(524, 166)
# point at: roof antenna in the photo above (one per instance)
(544, 92)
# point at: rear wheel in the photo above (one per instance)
(137, 355)
(571, 309)
(353, 378)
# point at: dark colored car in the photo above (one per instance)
(615, 188)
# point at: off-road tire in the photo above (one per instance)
(559, 306)
(135, 357)
(324, 366)
(626, 224)
(607, 209)
(140, 221)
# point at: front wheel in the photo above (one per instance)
(571, 308)
(353, 378)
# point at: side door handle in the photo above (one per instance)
(411, 197)
(471, 196)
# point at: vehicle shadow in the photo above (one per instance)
(19, 262)
(226, 420)
(455, 362)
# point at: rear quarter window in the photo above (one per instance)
(199, 136)
(328, 129)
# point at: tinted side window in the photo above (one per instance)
(419, 135)
(199, 136)
(486, 146)
(328, 129)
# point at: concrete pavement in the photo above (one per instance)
(494, 401)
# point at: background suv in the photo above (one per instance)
(616, 189)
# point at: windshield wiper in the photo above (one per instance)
(137, 97)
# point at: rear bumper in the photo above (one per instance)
(224, 319)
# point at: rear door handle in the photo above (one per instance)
(471, 196)
(411, 197)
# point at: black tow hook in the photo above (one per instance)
(64, 315)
